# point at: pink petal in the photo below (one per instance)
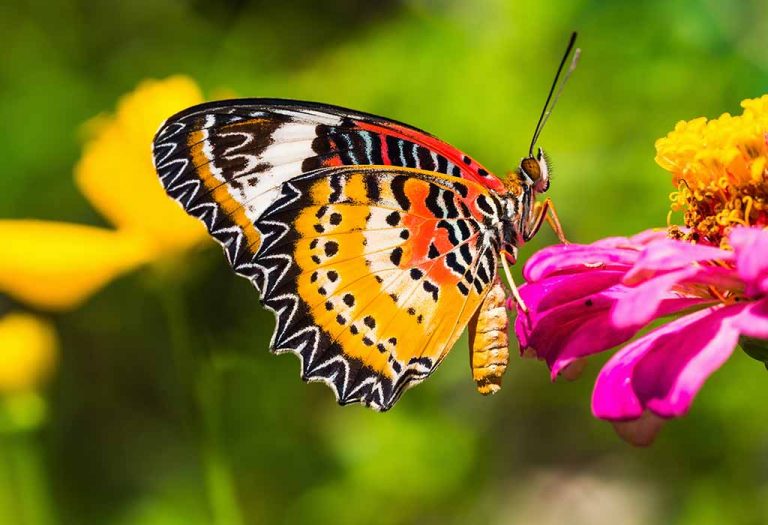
(753, 321)
(751, 248)
(640, 305)
(663, 370)
(582, 327)
(668, 254)
(562, 335)
(574, 258)
(637, 241)
(648, 236)
(552, 292)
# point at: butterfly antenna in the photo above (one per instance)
(547, 109)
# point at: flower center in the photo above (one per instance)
(720, 168)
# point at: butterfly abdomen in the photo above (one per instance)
(489, 341)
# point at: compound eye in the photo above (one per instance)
(531, 167)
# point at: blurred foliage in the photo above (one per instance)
(122, 439)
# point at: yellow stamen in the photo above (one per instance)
(720, 168)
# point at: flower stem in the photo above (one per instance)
(220, 482)
(25, 498)
(200, 393)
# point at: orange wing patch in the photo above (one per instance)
(365, 254)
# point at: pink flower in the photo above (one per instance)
(584, 299)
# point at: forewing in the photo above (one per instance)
(237, 154)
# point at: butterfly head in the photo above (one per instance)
(534, 169)
(534, 172)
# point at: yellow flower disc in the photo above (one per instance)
(116, 173)
(28, 350)
(719, 168)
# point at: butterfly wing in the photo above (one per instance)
(372, 271)
(372, 274)
(254, 145)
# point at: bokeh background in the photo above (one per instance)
(162, 404)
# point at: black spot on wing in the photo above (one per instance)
(442, 164)
(416, 274)
(431, 289)
(396, 256)
(393, 149)
(336, 187)
(426, 162)
(484, 205)
(331, 248)
(432, 201)
(448, 227)
(398, 191)
(466, 253)
(393, 219)
(372, 190)
(464, 229)
(375, 151)
(452, 262)
(451, 211)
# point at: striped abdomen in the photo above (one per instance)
(489, 341)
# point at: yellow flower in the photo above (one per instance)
(720, 169)
(28, 351)
(58, 265)
(116, 173)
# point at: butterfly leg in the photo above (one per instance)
(545, 211)
(512, 285)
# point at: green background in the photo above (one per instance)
(126, 440)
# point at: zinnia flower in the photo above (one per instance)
(719, 167)
(711, 275)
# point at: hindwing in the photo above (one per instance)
(371, 292)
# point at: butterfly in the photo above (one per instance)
(373, 242)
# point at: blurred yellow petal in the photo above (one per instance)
(28, 350)
(58, 265)
(116, 173)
